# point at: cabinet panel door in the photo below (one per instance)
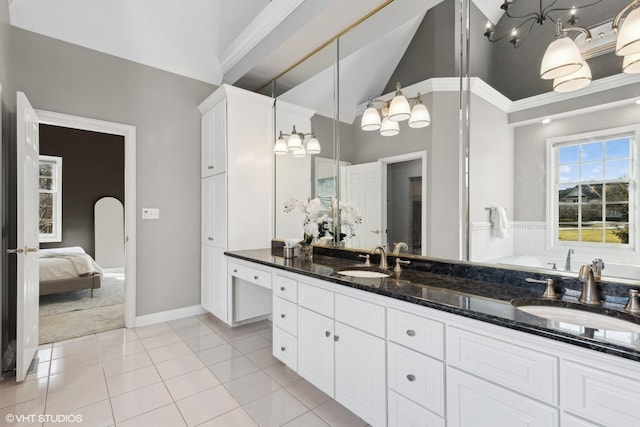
(214, 211)
(472, 402)
(207, 278)
(360, 373)
(405, 413)
(220, 285)
(285, 348)
(600, 396)
(207, 143)
(315, 349)
(219, 137)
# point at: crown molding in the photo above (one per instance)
(488, 93)
(263, 24)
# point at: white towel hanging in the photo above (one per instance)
(501, 223)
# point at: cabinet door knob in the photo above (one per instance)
(235, 270)
(336, 338)
(283, 348)
(327, 333)
(283, 315)
(282, 288)
(255, 277)
(210, 166)
(411, 332)
(411, 377)
(210, 238)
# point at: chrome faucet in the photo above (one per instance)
(589, 293)
(567, 264)
(383, 257)
(398, 246)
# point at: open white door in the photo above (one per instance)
(364, 182)
(28, 308)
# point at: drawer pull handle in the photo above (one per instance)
(211, 239)
(327, 333)
(255, 277)
(411, 377)
(282, 288)
(411, 332)
(210, 167)
(336, 338)
(283, 348)
(235, 270)
(283, 315)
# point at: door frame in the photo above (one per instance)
(129, 134)
(416, 155)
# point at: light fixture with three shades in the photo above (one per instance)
(294, 143)
(393, 112)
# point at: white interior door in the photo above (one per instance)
(27, 236)
(363, 187)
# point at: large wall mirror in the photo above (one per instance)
(561, 166)
(557, 156)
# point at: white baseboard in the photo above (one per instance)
(166, 316)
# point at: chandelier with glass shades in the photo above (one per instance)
(294, 143)
(562, 61)
(393, 112)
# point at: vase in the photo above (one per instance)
(306, 252)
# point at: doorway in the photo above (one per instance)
(128, 270)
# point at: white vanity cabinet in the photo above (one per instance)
(400, 364)
(237, 202)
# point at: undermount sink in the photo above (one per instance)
(364, 273)
(582, 318)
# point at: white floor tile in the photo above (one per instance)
(12, 393)
(41, 372)
(251, 343)
(89, 337)
(140, 401)
(337, 415)
(283, 374)
(307, 420)
(192, 383)
(23, 414)
(152, 330)
(116, 336)
(199, 330)
(74, 361)
(252, 386)
(207, 341)
(161, 340)
(166, 416)
(236, 418)
(118, 365)
(206, 405)
(263, 357)
(122, 350)
(75, 348)
(132, 380)
(179, 365)
(187, 322)
(275, 409)
(307, 393)
(218, 354)
(95, 415)
(44, 354)
(75, 393)
(233, 368)
(169, 352)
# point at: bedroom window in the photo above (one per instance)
(593, 190)
(50, 180)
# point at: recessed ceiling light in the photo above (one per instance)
(545, 121)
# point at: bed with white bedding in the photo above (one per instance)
(68, 269)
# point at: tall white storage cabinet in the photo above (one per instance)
(237, 195)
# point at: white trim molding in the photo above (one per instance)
(169, 315)
(129, 134)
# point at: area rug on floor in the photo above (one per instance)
(74, 314)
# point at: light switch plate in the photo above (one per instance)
(150, 213)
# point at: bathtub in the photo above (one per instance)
(625, 271)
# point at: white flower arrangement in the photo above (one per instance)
(317, 220)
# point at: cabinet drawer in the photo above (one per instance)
(286, 288)
(285, 316)
(237, 270)
(473, 402)
(259, 277)
(418, 333)
(571, 421)
(519, 368)
(417, 377)
(285, 348)
(315, 299)
(404, 413)
(361, 315)
(600, 396)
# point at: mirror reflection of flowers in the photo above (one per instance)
(318, 222)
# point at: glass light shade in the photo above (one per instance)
(313, 146)
(294, 142)
(399, 109)
(561, 58)
(389, 127)
(420, 116)
(281, 146)
(575, 81)
(629, 35)
(300, 153)
(370, 119)
(631, 64)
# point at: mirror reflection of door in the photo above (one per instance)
(404, 205)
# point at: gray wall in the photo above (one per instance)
(530, 154)
(7, 118)
(65, 78)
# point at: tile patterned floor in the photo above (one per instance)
(189, 372)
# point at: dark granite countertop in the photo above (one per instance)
(472, 295)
